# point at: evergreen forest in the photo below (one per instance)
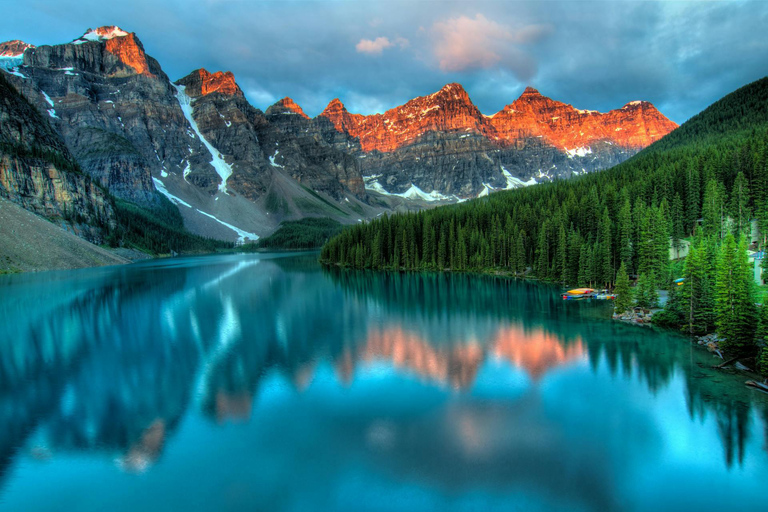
(702, 190)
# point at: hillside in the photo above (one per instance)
(236, 173)
(580, 231)
(31, 243)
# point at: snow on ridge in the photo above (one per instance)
(272, 160)
(513, 182)
(582, 152)
(96, 37)
(47, 98)
(413, 192)
(8, 62)
(51, 111)
(242, 234)
(223, 169)
(160, 186)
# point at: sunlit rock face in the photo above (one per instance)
(114, 107)
(635, 126)
(13, 48)
(442, 144)
(201, 83)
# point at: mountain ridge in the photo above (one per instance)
(226, 164)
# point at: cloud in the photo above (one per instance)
(378, 45)
(463, 44)
(592, 54)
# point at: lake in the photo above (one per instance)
(266, 382)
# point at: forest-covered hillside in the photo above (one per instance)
(579, 231)
(699, 187)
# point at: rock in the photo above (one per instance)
(442, 143)
(38, 172)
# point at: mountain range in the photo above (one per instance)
(97, 119)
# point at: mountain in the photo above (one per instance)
(441, 146)
(236, 173)
(197, 141)
(579, 232)
(38, 172)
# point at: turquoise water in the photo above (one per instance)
(264, 382)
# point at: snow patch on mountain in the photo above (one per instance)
(272, 160)
(582, 152)
(223, 169)
(100, 35)
(8, 62)
(242, 234)
(413, 192)
(172, 198)
(513, 182)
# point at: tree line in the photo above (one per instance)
(708, 178)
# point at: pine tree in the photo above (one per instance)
(678, 227)
(740, 204)
(625, 230)
(604, 260)
(645, 291)
(623, 291)
(762, 337)
(736, 316)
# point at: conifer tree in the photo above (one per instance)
(762, 338)
(736, 316)
(623, 292)
(740, 204)
(625, 234)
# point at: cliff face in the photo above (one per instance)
(115, 109)
(305, 154)
(13, 48)
(442, 145)
(257, 145)
(634, 126)
(38, 172)
(202, 83)
(233, 169)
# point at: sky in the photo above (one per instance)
(375, 55)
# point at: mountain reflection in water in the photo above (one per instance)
(460, 382)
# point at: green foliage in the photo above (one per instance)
(623, 292)
(578, 231)
(673, 314)
(646, 295)
(736, 315)
(762, 337)
(159, 231)
(309, 233)
(696, 296)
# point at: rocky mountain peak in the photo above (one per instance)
(530, 91)
(286, 106)
(107, 40)
(450, 92)
(101, 34)
(13, 48)
(574, 130)
(637, 104)
(335, 106)
(201, 83)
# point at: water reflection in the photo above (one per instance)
(111, 361)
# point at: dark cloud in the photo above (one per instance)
(681, 56)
